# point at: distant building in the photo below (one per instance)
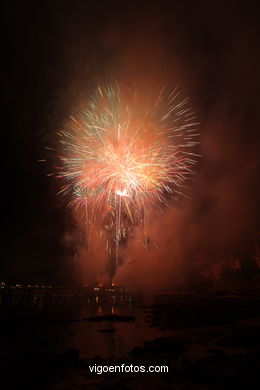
(218, 270)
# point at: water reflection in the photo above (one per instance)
(54, 324)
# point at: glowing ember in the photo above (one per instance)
(122, 193)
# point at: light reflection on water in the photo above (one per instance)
(54, 324)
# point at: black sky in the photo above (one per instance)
(56, 51)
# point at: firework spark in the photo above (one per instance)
(122, 155)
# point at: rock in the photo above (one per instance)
(111, 318)
(111, 330)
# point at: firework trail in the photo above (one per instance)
(121, 156)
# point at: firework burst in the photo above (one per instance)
(123, 154)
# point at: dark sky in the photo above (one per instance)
(56, 51)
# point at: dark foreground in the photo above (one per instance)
(208, 342)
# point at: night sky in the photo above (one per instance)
(55, 52)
